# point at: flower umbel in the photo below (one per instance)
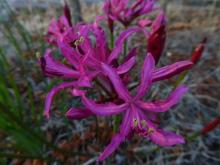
(86, 63)
(135, 111)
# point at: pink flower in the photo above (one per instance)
(56, 30)
(83, 59)
(138, 117)
(125, 11)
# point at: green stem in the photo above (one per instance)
(117, 121)
(112, 38)
(125, 48)
(180, 79)
(37, 136)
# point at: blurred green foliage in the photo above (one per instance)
(20, 132)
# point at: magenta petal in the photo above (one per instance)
(115, 142)
(146, 76)
(148, 6)
(78, 92)
(52, 93)
(119, 43)
(132, 53)
(144, 22)
(115, 79)
(125, 67)
(101, 43)
(165, 138)
(103, 109)
(78, 114)
(159, 21)
(162, 106)
(125, 129)
(69, 54)
(171, 70)
(52, 67)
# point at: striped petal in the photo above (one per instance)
(162, 106)
(171, 70)
(52, 67)
(146, 76)
(165, 138)
(103, 109)
(52, 93)
(116, 81)
(125, 129)
(78, 114)
(125, 67)
(120, 41)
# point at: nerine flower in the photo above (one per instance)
(126, 11)
(57, 28)
(139, 116)
(83, 58)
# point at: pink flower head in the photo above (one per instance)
(57, 28)
(126, 11)
(138, 117)
(84, 58)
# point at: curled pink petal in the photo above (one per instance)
(52, 67)
(69, 54)
(171, 70)
(103, 109)
(118, 85)
(162, 106)
(144, 22)
(56, 30)
(115, 142)
(119, 43)
(146, 76)
(165, 138)
(78, 114)
(52, 93)
(125, 67)
(78, 92)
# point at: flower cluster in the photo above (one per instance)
(87, 61)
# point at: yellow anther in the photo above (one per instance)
(79, 41)
(135, 122)
(143, 123)
(150, 131)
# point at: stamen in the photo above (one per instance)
(135, 122)
(150, 131)
(143, 123)
(79, 41)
